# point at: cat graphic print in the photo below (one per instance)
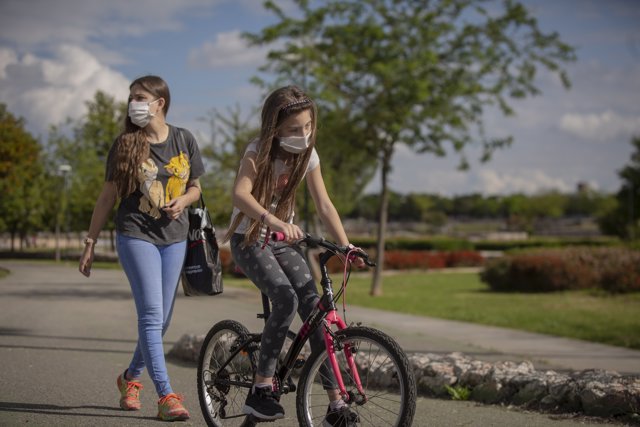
(154, 196)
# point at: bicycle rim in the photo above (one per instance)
(385, 375)
(221, 402)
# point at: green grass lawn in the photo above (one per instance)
(585, 315)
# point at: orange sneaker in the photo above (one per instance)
(129, 393)
(170, 408)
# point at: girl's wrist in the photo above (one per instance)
(263, 217)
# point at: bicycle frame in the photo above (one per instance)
(324, 314)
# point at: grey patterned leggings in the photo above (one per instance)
(281, 272)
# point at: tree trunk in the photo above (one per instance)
(13, 236)
(376, 285)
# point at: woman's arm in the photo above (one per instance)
(105, 203)
(249, 206)
(326, 210)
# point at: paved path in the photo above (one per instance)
(64, 338)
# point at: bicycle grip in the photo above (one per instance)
(278, 236)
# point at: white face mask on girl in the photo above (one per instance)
(295, 144)
(139, 112)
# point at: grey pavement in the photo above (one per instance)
(64, 339)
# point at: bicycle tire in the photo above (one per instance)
(221, 404)
(385, 374)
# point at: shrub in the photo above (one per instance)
(612, 269)
(227, 262)
(420, 260)
(464, 259)
(621, 274)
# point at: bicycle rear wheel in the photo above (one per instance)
(222, 395)
(385, 375)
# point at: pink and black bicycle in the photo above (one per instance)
(368, 367)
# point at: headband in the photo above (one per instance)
(299, 103)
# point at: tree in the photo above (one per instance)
(419, 72)
(623, 219)
(230, 135)
(20, 174)
(84, 145)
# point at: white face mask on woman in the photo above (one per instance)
(139, 112)
(295, 144)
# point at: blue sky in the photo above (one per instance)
(54, 55)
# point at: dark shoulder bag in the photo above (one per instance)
(202, 271)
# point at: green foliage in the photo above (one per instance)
(420, 73)
(543, 242)
(84, 146)
(441, 243)
(623, 218)
(458, 392)
(230, 135)
(519, 210)
(21, 173)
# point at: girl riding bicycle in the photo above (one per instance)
(271, 170)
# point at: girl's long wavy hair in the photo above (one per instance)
(132, 146)
(279, 105)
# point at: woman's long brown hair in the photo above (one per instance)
(281, 104)
(132, 146)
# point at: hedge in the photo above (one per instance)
(615, 270)
(397, 260)
(454, 244)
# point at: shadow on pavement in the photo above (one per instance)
(47, 409)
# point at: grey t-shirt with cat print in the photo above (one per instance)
(161, 178)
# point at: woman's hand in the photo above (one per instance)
(86, 260)
(175, 207)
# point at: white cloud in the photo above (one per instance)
(227, 50)
(38, 22)
(604, 126)
(7, 56)
(524, 181)
(48, 90)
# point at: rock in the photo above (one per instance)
(592, 392)
(187, 348)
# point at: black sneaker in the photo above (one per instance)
(263, 403)
(343, 417)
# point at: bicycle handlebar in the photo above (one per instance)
(314, 242)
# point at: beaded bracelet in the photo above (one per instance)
(263, 217)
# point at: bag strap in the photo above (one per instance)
(206, 211)
(201, 201)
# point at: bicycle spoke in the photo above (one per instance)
(385, 377)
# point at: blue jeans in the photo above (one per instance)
(153, 272)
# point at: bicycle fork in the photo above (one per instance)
(334, 319)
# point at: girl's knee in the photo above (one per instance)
(286, 303)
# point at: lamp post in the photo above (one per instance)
(63, 170)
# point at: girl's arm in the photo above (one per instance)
(326, 210)
(105, 203)
(249, 206)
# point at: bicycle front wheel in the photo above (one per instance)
(385, 375)
(222, 393)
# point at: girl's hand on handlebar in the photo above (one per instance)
(291, 232)
(356, 260)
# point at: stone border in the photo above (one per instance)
(591, 392)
